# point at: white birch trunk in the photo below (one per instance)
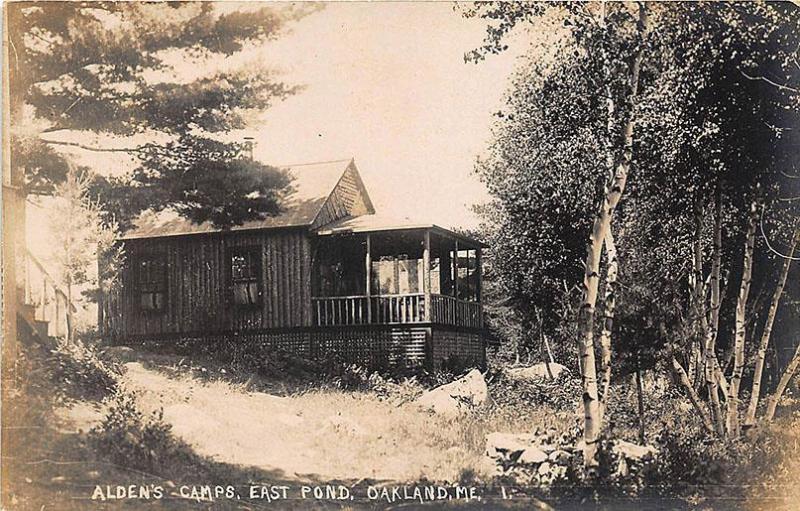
(600, 229)
(694, 398)
(732, 422)
(711, 364)
(772, 402)
(750, 419)
(608, 320)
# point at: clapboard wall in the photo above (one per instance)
(198, 298)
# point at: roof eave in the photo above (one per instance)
(409, 227)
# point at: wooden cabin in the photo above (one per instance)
(327, 277)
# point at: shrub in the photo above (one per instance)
(129, 437)
(77, 371)
(562, 393)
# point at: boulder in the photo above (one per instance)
(547, 448)
(544, 468)
(458, 396)
(120, 353)
(633, 451)
(559, 456)
(499, 444)
(532, 456)
(535, 371)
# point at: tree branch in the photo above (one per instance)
(771, 82)
(96, 149)
(769, 245)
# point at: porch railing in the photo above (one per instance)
(394, 309)
(449, 310)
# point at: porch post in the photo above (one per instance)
(479, 269)
(368, 288)
(455, 272)
(426, 274)
(479, 284)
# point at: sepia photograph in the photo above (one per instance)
(374, 255)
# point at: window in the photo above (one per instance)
(152, 283)
(245, 276)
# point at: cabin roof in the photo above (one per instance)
(312, 184)
(382, 223)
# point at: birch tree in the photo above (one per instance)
(80, 236)
(758, 372)
(592, 37)
(732, 424)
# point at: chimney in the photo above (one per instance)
(249, 145)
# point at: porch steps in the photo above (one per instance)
(27, 314)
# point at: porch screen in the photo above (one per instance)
(245, 276)
(152, 283)
(397, 275)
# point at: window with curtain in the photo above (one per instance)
(246, 276)
(151, 278)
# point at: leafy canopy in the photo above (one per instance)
(156, 76)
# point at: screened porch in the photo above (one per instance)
(396, 276)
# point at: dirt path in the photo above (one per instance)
(329, 435)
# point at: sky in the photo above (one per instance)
(386, 84)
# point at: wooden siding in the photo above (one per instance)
(198, 294)
(348, 199)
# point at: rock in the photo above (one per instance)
(535, 371)
(544, 468)
(557, 472)
(499, 444)
(93, 474)
(622, 467)
(547, 448)
(121, 353)
(532, 455)
(633, 451)
(559, 456)
(457, 396)
(58, 479)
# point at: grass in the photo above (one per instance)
(237, 429)
(326, 432)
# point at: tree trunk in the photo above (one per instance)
(608, 320)
(710, 364)
(732, 422)
(640, 400)
(772, 402)
(762, 347)
(69, 310)
(600, 229)
(683, 378)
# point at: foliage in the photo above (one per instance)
(131, 438)
(80, 237)
(76, 371)
(711, 116)
(145, 79)
(560, 393)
